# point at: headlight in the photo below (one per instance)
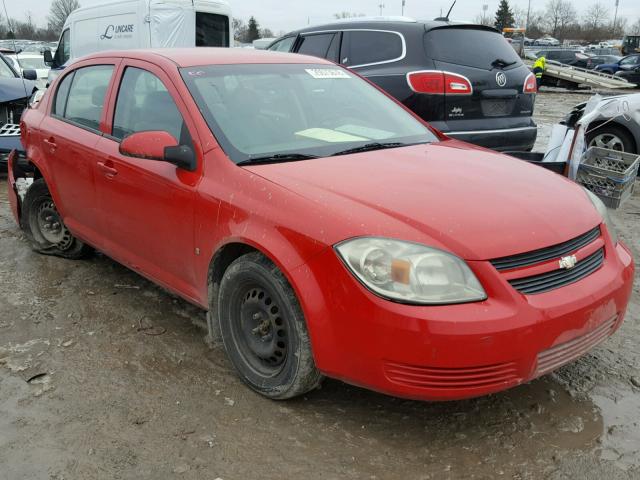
(410, 272)
(604, 213)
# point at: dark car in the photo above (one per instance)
(593, 62)
(630, 62)
(15, 92)
(631, 76)
(575, 58)
(465, 80)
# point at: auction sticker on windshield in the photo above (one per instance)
(327, 73)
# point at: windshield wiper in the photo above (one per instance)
(367, 147)
(277, 158)
(499, 62)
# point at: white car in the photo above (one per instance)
(31, 61)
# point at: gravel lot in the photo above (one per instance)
(104, 375)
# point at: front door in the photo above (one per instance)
(147, 205)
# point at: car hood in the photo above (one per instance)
(473, 202)
(14, 89)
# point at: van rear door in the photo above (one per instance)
(492, 67)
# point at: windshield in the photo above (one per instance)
(5, 70)
(470, 47)
(212, 30)
(318, 110)
(33, 62)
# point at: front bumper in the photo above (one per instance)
(457, 351)
(7, 144)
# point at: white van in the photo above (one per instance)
(127, 24)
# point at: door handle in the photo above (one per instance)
(51, 142)
(108, 171)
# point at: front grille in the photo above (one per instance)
(497, 107)
(566, 352)
(451, 378)
(559, 278)
(548, 253)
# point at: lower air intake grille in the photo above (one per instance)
(451, 378)
(566, 352)
(559, 278)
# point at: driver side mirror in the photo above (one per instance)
(48, 57)
(29, 74)
(158, 145)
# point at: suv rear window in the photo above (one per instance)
(469, 47)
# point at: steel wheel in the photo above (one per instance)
(51, 227)
(260, 332)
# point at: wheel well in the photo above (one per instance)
(219, 264)
(594, 125)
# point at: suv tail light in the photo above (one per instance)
(437, 82)
(530, 85)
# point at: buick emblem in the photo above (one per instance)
(568, 262)
(501, 79)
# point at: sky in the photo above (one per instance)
(285, 15)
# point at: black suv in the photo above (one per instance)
(465, 80)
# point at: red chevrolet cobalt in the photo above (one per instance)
(325, 228)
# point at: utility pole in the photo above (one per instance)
(402, 11)
(529, 13)
(615, 18)
(381, 7)
(485, 7)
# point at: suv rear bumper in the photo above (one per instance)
(500, 139)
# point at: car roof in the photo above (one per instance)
(383, 24)
(195, 56)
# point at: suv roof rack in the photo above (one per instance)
(374, 19)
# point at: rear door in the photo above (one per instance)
(489, 63)
(323, 45)
(70, 135)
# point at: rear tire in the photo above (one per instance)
(44, 228)
(263, 329)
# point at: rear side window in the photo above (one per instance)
(61, 95)
(365, 47)
(283, 45)
(469, 47)
(316, 45)
(212, 30)
(144, 103)
(87, 94)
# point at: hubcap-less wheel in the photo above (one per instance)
(261, 332)
(51, 227)
(608, 140)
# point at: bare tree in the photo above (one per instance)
(486, 20)
(635, 28)
(59, 11)
(596, 16)
(519, 16)
(560, 14)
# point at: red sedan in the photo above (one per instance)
(325, 228)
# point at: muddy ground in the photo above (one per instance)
(120, 401)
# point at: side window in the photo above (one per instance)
(333, 53)
(62, 94)
(86, 95)
(364, 47)
(283, 45)
(144, 103)
(63, 52)
(316, 45)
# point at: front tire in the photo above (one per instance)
(43, 225)
(263, 329)
(611, 137)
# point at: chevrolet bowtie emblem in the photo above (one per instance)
(568, 262)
